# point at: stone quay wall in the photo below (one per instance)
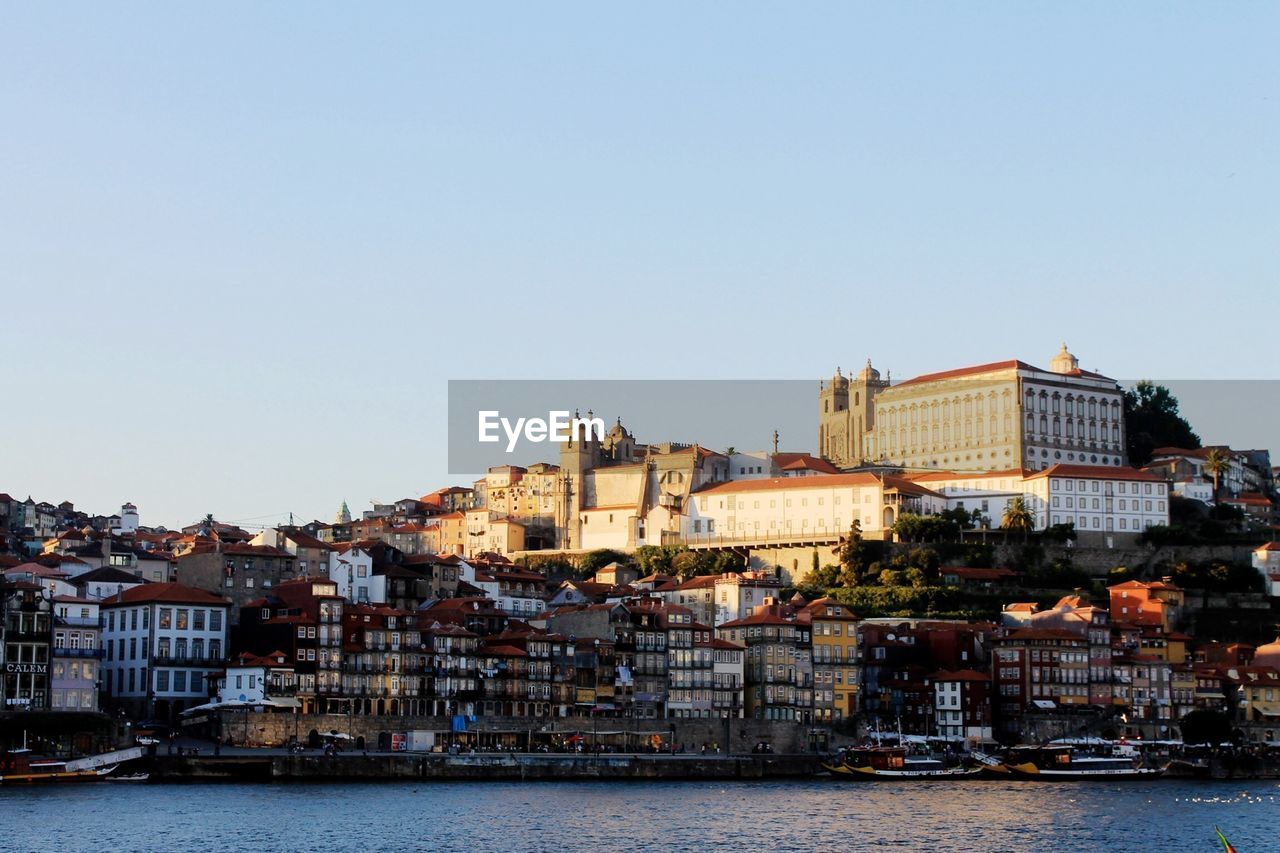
(253, 729)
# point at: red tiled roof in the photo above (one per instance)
(959, 675)
(173, 593)
(1096, 472)
(503, 651)
(1044, 634)
(804, 462)
(977, 369)
(977, 574)
(861, 478)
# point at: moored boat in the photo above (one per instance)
(896, 763)
(1065, 763)
(19, 766)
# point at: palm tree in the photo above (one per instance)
(1018, 517)
(1217, 463)
(206, 525)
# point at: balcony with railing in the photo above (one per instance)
(63, 652)
(185, 661)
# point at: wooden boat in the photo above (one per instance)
(130, 777)
(896, 763)
(1064, 763)
(19, 766)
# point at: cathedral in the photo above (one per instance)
(1002, 415)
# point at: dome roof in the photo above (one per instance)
(1064, 361)
(869, 373)
(1268, 655)
(839, 380)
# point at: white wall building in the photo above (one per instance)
(1266, 559)
(76, 654)
(351, 568)
(163, 641)
(259, 680)
(751, 465)
(1094, 498)
(516, 591)
(128, 520)
(791, 508)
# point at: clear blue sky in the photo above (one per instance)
(243, 246)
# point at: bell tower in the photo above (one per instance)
(833, 419)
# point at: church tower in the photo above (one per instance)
(578, 455)
(846, 414)
(833, 419)
(344, 515)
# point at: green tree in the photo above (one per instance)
(1017, 518)
(1151, 420)
(1217, 463)
(852, 552)
(1119, 574)
(1061, 532)
(924, 560)
(685, 565)
(961, 517)
(817, 583)
(656, 559)
(910, 527)
(597, 559)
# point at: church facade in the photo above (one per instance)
(1007, 414)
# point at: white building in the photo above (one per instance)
(1266, 559)
(76, 654)
(515, 590)
(737, 595)
(128, 520)
(751, 465)
(163, 641)
(1094, 498)
(997, 415)
(1194, 490)
(259, 680)
(351, 568)
(961, 707)
(105, 582)
(796, 508)
(728, 678)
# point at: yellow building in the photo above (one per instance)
(834, 637)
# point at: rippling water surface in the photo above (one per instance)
(478, 816)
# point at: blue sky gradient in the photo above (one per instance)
(243, 247)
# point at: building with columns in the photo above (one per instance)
(1006, 414)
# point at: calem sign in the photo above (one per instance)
(558, 426)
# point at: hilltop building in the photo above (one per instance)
(1006, 414)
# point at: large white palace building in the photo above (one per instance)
(1006, 414)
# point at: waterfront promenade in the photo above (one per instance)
(280, 765)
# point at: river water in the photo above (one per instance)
(553, 816)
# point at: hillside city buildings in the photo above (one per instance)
(430, 606)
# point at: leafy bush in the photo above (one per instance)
(601, 557)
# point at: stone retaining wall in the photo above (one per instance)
(736, 736)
